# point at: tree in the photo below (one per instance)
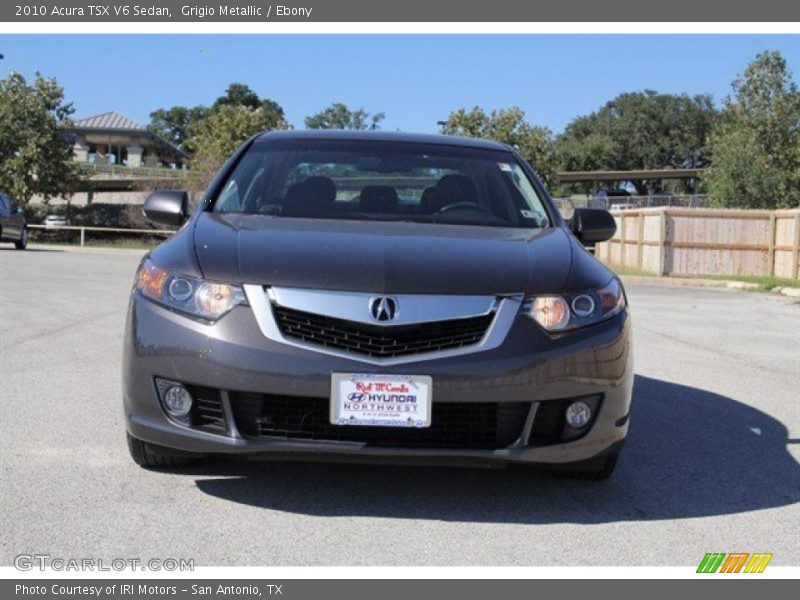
(239, 94)
(35, 154)
(508, 126)
(640, 130)
(756, 146)
(173, 124)
(339, 116)
(213, 139)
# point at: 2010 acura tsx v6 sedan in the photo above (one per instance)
(380, 296)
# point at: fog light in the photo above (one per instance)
(178, 401)
(578, 414)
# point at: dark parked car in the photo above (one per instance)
(612, 193)
(381, 296)
(613, 199)
(13, 227)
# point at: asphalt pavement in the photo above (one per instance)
(711, 464)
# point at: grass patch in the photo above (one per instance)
(766, 283)
(630, 271)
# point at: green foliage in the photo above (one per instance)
(339, 116)
(640, 130)
(172, 124)
(238, 94)
(178, 124)
(507, 126)
(35, 155)
(211, 134)
(214, 138)
(756, 146)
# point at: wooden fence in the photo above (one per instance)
(676, 241)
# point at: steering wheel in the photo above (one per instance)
(464, 206)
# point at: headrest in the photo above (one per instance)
(378, 199)
(454, 188)
(310, 198)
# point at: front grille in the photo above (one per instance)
(381, 342)
(483, 425)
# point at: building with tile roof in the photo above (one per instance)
(113, 138)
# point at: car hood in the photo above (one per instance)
(381, 257)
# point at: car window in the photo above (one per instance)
(379, 181)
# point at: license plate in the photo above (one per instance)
(381, 400)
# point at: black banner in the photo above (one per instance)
(371, 589)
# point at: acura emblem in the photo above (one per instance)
(383, 308)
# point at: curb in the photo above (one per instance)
(86, 249)
(711, 283)
(691, 282)
(787, 291)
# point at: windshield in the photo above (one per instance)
(381, 181)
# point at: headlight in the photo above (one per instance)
(205, 299)
(569, 311)
(551, 312)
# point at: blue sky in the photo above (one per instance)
(415, 80)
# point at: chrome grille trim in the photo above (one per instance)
(505, 312)
(413, 309)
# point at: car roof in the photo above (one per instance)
(383, 136)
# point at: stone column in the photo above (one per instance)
(101, 156)
(134, 154)
(80, 149)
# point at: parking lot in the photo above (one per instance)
(711, 464)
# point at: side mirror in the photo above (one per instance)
(593, 225)
(168, 207)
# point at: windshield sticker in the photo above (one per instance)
(528, 214)
(504, 167)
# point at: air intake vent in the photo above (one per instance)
(207, 412)
(465, 425)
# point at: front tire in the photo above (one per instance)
(23, 240)
(150, 456)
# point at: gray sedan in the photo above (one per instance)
(377, 296)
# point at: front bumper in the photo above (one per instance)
(233, 356)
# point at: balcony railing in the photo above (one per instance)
(136, 172)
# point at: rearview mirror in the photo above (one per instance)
(168, 207)
(593, 225)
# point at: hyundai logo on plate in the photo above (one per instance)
(383, 308)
